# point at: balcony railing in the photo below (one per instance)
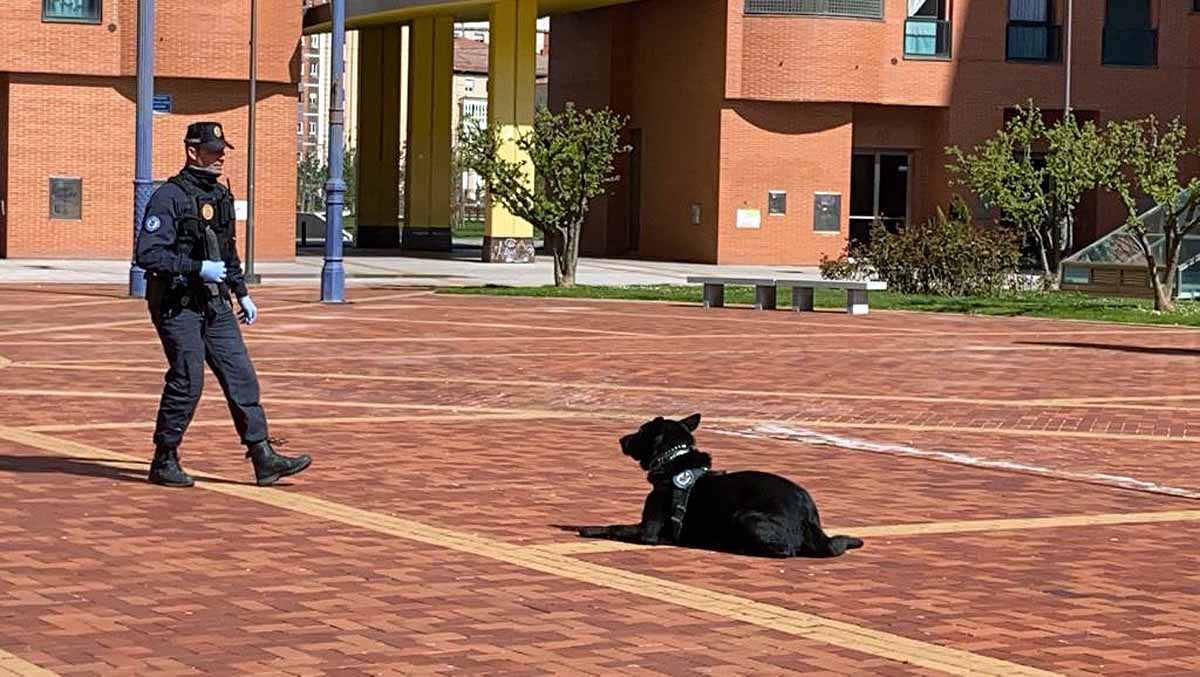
(1033, 41)
(928, 38)
(1130, 46)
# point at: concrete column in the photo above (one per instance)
(427, 178)
(512, 54)
(379, 92)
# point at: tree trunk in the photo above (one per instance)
(1165, 294)
(571, 260)
(1162, 291)
(1047, 277)
(560, 247)
(1162, 296)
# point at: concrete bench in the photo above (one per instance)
(714, 290)
(802, 291)
(856, 292)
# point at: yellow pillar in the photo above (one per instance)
(512, 54)
(379, 90)
(427, 178)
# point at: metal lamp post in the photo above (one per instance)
(251, 277)
(1070, 22)
(143, 185)
(333, 274)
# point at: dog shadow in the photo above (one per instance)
(574, 529)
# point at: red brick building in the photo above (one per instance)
(67, 116)
(747, 114)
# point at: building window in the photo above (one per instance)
(313, 68)
(1196, 5)
(927, 30)
(1130, 38)
(776, 202)
(1032, 35)
(861, 9)
(299, 127)
(1077, 275)
(72, 11)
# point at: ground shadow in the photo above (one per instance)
(67, 292)
(1144, 350)
(84, 467)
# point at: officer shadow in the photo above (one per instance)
(86, 467)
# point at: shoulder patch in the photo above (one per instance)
(152, 224)
(684, 479)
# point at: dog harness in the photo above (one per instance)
(681, 490)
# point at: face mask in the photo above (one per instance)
(213, 168)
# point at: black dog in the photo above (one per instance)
(752, 513)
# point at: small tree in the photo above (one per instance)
(350, 176)
(1038, 198)
(1144, 161)
(571, 157)
(310, 183)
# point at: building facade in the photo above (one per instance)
(67, 117)
(471, 92)
(801, 121)
(312, 106)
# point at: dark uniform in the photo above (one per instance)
(189, 220)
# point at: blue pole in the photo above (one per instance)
(333, 274)
(143, 184)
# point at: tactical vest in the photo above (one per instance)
(200, 209)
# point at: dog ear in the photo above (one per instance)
(691, 422)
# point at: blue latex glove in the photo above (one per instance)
(212, 271)
(249, 310)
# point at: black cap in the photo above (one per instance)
(208, 134)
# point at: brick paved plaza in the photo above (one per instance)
(1028, 505)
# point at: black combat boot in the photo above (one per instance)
(269, 466)
(165, 469)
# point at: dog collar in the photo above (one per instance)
(669, 455)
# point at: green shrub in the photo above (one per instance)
(947, 255)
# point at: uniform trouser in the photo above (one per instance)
(190, 337)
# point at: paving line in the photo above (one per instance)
(489, 325)
(573, 385)
(58, 306)
(813, 423)
(724, 605)
(149, 423)
(13, 666)
(433, 357)
(146, 320)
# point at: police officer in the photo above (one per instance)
(186, 246)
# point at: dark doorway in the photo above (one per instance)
(635, 189)
(879, 189)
